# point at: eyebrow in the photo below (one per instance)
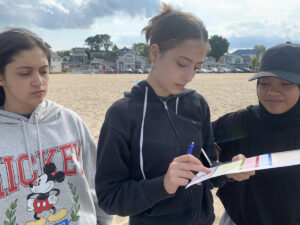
(29, 67)
(186, 58)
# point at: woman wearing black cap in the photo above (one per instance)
(271, 197)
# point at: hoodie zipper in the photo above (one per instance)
(172, 124)
(192, 194)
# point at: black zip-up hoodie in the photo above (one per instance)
(141, 135)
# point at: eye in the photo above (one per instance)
(181, 64)
(264, 84)
(44, 72)
(286, 84)
(25, 74)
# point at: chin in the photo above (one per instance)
(276, 111)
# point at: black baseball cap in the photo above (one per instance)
(281, 61)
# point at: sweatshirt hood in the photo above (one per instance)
(138, 91)
(47, 111)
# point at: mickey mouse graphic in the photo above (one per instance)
(44, 196)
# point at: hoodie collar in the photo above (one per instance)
(138, 91)
(45, 112)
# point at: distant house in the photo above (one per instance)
(130, 62)
(248, 52)
(210, 62)
(101, 65)
(56, 63)
(78, 57)
(65, 63)
(235, 61)
(98, 55)
(124, 51)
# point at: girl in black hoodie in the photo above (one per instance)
(271, 197)
(142, 165)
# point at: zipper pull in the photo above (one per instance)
(165, 104)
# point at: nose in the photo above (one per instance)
(189, 74)
(273, 91)
(37, 79)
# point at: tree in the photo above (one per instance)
(98, 42)
(254, 62)
(261, 48)
(63, 53)
(115, 51)
(218, 45)
(141, 49)
(91, 41)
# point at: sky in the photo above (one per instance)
(65, 24)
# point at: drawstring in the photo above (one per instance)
(142, 129)
(176, 108)
(39, 140)
(142, 133)
(27, 146)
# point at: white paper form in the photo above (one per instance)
(265, 161)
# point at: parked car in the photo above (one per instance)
(147, 70)
(237, 70)
(128, 70)
(109, 70)
(247, 70)
(224, 70)
(203, 70)
(214, 70)
(138, 71)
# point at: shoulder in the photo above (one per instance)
(193, 99)
(234, 123)
(201, 104)
(119, 108)
(122, 113)
(61, 111)
(198, 97)
(237, 117)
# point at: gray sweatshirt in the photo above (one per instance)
(47, 168)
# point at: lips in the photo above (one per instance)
(38, 93)
(180, 86)
(273, 102)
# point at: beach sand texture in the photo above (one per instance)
(91, 95)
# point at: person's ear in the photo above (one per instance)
(154, 52)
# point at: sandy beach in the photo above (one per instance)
(91, 95)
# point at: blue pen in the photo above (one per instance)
(190, 150)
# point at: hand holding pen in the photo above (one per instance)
(180, 171)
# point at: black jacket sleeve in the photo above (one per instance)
(117, 193)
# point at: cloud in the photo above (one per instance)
(266, 32)
(55, 14)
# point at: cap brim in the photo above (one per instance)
(291, 77)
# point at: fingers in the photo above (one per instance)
(190, 162)
(238, 157)
(180, 172)
(241, 176)
(188, 166)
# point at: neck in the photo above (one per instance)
(158, 89)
